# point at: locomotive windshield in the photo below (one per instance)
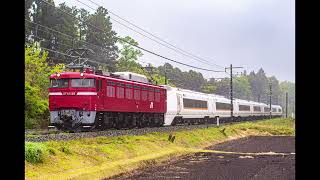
(76, 83)
(59, 83)
(82, 83)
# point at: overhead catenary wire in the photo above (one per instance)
(194, 56)
(65, 44)
(70, 36)
(87, 59)
(58, 52)
(157, 55)
(147, 36)
(151, 52)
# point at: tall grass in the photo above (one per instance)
(34, 152)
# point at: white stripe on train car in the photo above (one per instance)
(79, 93)
(55, 93)
(87, 93)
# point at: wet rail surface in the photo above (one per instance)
(221, 166)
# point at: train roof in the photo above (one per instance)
(218, 97)
(91, 75)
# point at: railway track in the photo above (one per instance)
(54, 135)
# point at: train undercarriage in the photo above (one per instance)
(213, 120)
(76, 121)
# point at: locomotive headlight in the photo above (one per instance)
(81, 74)
(58, 74)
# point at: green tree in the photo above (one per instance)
(27, 16)
(82, 25)
(128, 56)
(288, 87)
(241, 88)
(275, 89)
(259, 86)
(100, 33)
(192, 80)
(223, 87)
(170, 73)
(67, 25)
(43, 14)
(37, 74)
(210, 86)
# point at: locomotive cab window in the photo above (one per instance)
(59, 83)
(83, 83)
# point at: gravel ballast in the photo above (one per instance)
(109, 133)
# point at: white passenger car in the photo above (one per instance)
(186, 106)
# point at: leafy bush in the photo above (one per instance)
(37, 72)
(34, 152)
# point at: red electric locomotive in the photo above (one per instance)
(91, 100)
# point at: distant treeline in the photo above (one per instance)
(57, 31)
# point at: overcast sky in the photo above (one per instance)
(248, 33)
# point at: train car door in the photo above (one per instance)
(214, 109)
(100, 92)
(179, 98)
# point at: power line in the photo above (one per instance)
(101, 47)
(71, 37)
(146, 50)
(63, 44)
(152, 34)
(58, 52)
(151, 52)
(146, 36)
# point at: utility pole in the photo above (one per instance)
(36, 33)
(231, 89)
(286, 104)
(294, 112)
(165, 74)
(231, 92)
(270, 86)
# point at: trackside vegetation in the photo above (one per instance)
(101, 157)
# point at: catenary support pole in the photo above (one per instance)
(286, 104)
(270, 86)
(231, 93)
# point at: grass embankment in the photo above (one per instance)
(95, 158)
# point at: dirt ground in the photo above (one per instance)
(223, 166)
